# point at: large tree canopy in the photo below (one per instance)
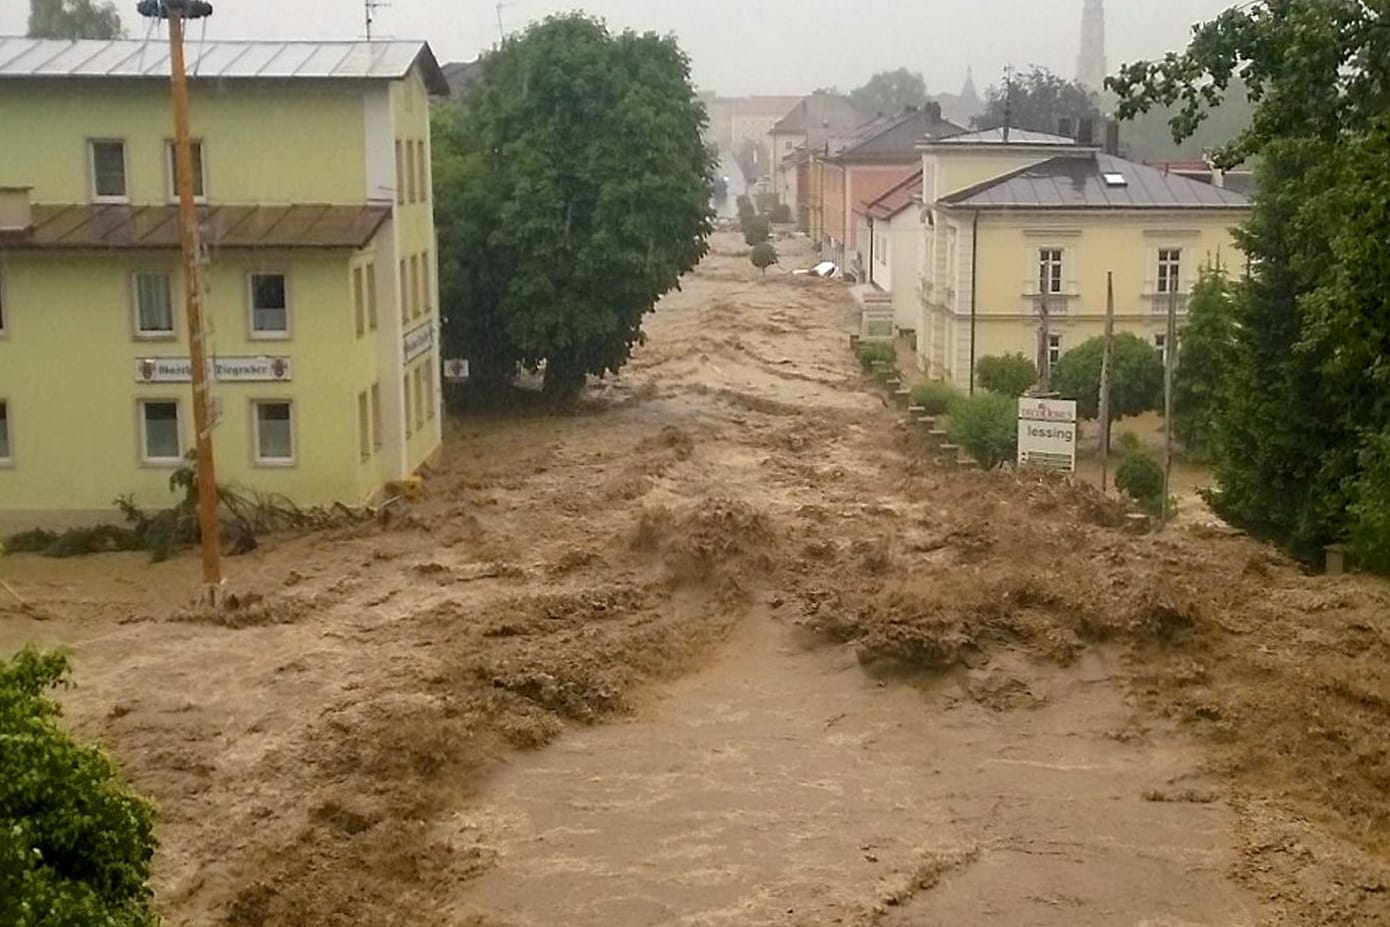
(1304, 427)
(891, 92)
(74, 19)
(572, 191)
(1135, 386)
(1038, 100)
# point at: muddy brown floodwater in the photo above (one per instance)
(726, 643)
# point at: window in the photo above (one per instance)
(787, 145)
(2, 304)
(422, 169)
(412, 188)
(405, 293)
(1161, 342)
(405, 388)
(1054, 349)
(108, 171)
(199, 171)
(364, 426)
(359, 300)
(274, 422)
(159, 432)
(1169, 270)
(414, 285)
(419, 397)
(376, 417)
(1049, 271)
(154, 305)
(5, 456)
(270, 308)
(426, 296)
(400, 174)
(429, 388)
(371, 297)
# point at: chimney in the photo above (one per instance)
(1112, 137)
(1086, 131)
(1064, 127)
(16, 212)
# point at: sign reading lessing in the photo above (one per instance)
(418, 341)
(224, 369)
(1047, 433)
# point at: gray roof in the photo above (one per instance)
(462, 75)
(996, 137)
(132, 59)
(820, 111)
(1091, 180)
(895, 137)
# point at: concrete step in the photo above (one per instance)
(949, 448)
(916, 410)
(967, 463)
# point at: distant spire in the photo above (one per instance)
(1091, 66)
(968, 93)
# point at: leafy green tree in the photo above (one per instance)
(1141, 478)
(1308, 387)
(74, 19)
(1208, 343)
(1038, 100)
(1135, 386)
(1006, 374)
(75, 847)
(891, 92)
(764, 255)
(756, 230)
(986, 426)
(573, 190)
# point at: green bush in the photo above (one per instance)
(1136, 385)
(876, 354)
(756, 230)
(936, 397)
(986, 425)
(782, 214)
(764, 256)
(1006, 374)
(1141, 478)
(767, 202)
(745, 207)
(1370, 506)
(75, 847)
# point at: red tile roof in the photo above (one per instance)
(900, 196)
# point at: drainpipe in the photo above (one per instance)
(974, 289)
(871, 248)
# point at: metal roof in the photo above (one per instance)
(219, 60)
(820, 110)
(996, 137)
(157, 227)
(897, 198)
(1078, 181)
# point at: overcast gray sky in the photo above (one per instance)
(747, 46)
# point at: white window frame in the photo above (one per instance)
(369, 276)
(201, 155)
(1052, 274)
(142, 334)
(378, 440)
(92, 170)
(1054, 348)
(252, 333)
(258, 458)
(143, 432)
(431, 388)
(359, 299)
(1168, 279)
(364, 426)
(6, 458)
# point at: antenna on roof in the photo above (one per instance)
(501, 29)
(369, 8)
(1008, 99)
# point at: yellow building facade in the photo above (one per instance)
(317, 272)
(1021, 236)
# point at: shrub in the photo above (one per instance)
(1141, 478)
(876, 354)
(1370, 506)
(782, 214)
(745, 207)
(767, 202)
(1006, 374)
(1136, 385)
(986, 425)
(764, 256)
(75, 847)
(756, 230)
(936, 397)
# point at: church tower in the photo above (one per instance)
(1091, 65)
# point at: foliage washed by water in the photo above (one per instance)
(75, 846)
(986, 426)
(572, 190)
(1301, 430)
(74, 19)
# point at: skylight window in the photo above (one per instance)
(1115, 179)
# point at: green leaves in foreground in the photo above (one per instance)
(75, 847)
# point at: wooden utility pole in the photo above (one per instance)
(1170, 355)
(209, 530)
(1044, 347)
(1107, 373)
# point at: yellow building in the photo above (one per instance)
(1028, 224)
(312, 170)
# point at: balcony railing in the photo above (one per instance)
(1070, 290)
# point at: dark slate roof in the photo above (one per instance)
(996, 137)
(1079, 182)
(820, 111)
(101, 226)
(900, 197)
(462, 75)
(895, 137)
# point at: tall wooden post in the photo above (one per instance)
(1170, 355)
(1107, 373)
(209, 530)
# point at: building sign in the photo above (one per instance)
(224, 369)
(1047, 433)
(418, 341)
(456, 368)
